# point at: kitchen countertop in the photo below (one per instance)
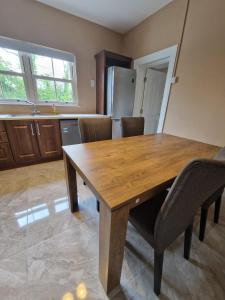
(47, 116)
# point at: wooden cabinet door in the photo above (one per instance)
(23, 141)
(49, 141)
(2, 126)
(6, 157)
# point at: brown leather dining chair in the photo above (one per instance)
(132, 126)
(95, 129)
(216, 199)
(163, 218)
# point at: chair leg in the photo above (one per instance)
(203, 220)
(187, 241)
(158, 266)
(97, 205)
(217, 209)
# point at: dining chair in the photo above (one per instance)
(95, 129)
(132, 126)
(215, 199)
(164, 217)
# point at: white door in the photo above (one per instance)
(153, 96)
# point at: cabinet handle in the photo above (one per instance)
(38, 131)
(32, 129)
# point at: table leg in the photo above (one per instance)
(112, 236)
(71, 182)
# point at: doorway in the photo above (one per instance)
(154, 85)
(154, 78)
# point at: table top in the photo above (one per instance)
(129, 170)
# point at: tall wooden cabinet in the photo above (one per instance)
(105, 59)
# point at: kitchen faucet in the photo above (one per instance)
(35, 110)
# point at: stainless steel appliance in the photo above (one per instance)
(70, 133)
(120, 95)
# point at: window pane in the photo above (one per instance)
(46, 90)
(51, 67)
(1, 91)
(61, 69)
(42, 65)
(9, 60)
(64, 91)
(12, 87)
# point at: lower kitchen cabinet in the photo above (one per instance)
(6, 158)
(25, 142)
(48, 136)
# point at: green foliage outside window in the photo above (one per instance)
(52, 90)
(11, 86)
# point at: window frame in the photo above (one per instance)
(30, 83)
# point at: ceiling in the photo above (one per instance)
(118, 15)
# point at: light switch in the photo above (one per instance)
(92, 83)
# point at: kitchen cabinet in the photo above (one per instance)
(48, 136)
(31, 141)
(6, 158)
(105, 59)
(23, 141)
(27, 140)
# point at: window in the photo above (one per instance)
(53, 79)
(11, 75)
(36, 77)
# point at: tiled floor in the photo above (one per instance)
(48, 253)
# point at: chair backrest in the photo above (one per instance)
(196, 183)
(220, 155)
(132, 126)
(95, 129)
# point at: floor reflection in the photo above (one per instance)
(40, 212)
(68, 296)
(61, 204)
(81, 291)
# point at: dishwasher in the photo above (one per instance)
(70, 132)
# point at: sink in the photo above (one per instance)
(28, 115)
(21, 115)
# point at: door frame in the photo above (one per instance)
(165, 55)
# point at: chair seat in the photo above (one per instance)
(143, 216)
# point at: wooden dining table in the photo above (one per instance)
(123, 173)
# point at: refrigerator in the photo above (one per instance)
(120, 95)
